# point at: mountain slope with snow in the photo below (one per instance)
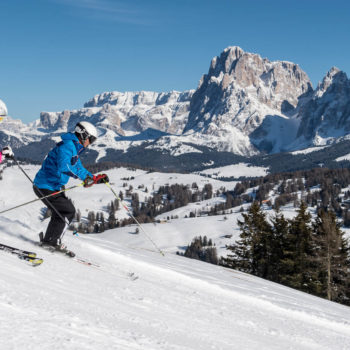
(245, 106)
(176, 303)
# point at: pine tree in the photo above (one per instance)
(91, 218)
(297, 259)
(102, 226)
(252, 252)
(280, 228)
(332, 257)
(111, 220)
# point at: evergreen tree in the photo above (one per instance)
(252, 251)
(91, 218)
(297, 266)
(280, 229)
(102, 226)
(196, 250)
(111, 220)
(332, 257)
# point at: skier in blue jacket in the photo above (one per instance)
(61, 163)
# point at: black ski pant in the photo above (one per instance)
(57, 204)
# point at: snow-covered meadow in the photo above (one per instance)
(176, 303)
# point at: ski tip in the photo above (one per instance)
(36, 262)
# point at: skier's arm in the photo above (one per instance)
(81, 171)
(70, 165)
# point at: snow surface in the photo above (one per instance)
(309, 150)
(236, 170)
(176, 303)
(346, 157)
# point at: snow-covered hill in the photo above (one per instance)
(176, 303)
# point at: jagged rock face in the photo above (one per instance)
(244, 105)
(167, 112)
(128, 112)
(240, 90)
(327, 115)
(54, 121)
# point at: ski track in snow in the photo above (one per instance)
(175, 304)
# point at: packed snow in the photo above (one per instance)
(309, 150)
(346, 157)
(175, 302)
(236, 171)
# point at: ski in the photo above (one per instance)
(22, 254)
(33, 261)
(17, 251)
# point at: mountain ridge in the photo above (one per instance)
(245, 105)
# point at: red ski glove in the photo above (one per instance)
(96, 179)
(101, 178)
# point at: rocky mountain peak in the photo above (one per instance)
(240, 90)
(333, 77)
(327, 115)
(225, 61)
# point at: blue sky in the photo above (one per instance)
(57, 54)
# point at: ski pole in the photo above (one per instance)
(41, 198)
(133, 217)
(64, 219)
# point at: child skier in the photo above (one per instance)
(6, 151)
(61, 163)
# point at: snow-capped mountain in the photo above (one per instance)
(127, 113)
(245, 105)
(240, 90)
(326, 116)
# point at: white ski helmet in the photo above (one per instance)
(86, 130)
(3, 110)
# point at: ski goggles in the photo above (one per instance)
(92, 139)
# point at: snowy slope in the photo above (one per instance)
(176, 303)
(236, 170)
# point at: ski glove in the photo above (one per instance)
(96, 179)
(7, 152)
(101, 179)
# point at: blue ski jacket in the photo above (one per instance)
(61, 163)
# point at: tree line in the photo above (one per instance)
(305, 254)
